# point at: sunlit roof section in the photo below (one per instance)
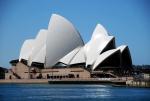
(62, 38)
(26, 49)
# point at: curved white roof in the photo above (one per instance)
(39, 50)
(79, 57)
(95, 46)
(62, 38)
(40, 56)
(122, 47)
(66, 59)
(104, 56)
(26, 49)
(99, 31)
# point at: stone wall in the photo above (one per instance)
(76, 71)
(22, 71)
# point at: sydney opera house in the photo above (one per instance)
(59, 52)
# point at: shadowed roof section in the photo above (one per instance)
(104, 56)
(125, 56)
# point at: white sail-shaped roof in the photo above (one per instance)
(97, 44)
(99, 31)
(79, 57)
(62, 38)
(39, 50)
(26, 49)
(74, 57)
(104, 56)
(122, 47)
(40, 56)
(66, 59)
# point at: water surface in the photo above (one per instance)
(46, 92)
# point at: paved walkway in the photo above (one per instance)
(25, 81)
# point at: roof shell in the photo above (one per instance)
(125, 56)
(39, 48)
(40, 57)
(67, 59)
(79, 57)
(26, 49)
(99, 31)
(97, 44)
(104, 56)
(62, 38)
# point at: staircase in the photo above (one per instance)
(111, 74)
(15, 74)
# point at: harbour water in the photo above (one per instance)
(46, 92)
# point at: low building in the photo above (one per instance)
(21, 71)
